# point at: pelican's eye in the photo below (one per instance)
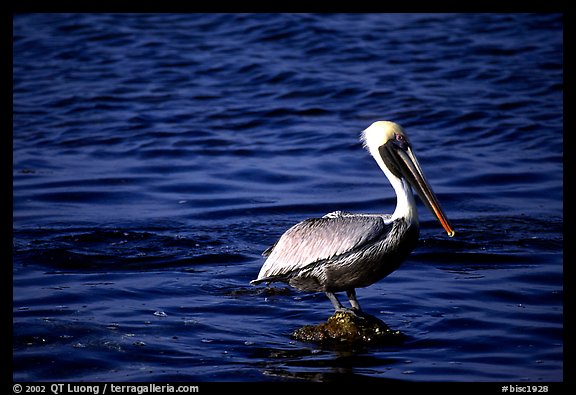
(401, 141)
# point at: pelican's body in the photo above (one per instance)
(343, 251)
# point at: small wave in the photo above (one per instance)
(113, 250)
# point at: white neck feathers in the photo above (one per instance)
(405, 202)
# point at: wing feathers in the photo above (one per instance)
(318, 239)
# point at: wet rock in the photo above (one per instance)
(349, 327)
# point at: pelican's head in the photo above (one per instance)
(379, 133)
(389, 145)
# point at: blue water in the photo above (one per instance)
(156, 156)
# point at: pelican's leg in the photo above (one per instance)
(335, 302)
(351, 293)
(338, 306)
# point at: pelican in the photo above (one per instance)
(343, 251)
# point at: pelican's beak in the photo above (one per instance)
(402, 163)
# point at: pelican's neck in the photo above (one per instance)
(405, 203)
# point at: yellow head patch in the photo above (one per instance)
(378, 134)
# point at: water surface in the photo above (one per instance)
(155, 156)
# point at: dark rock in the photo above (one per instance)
(349, 327)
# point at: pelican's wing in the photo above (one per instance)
(333, 214)
(318, 239)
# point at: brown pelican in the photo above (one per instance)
(343, 251)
